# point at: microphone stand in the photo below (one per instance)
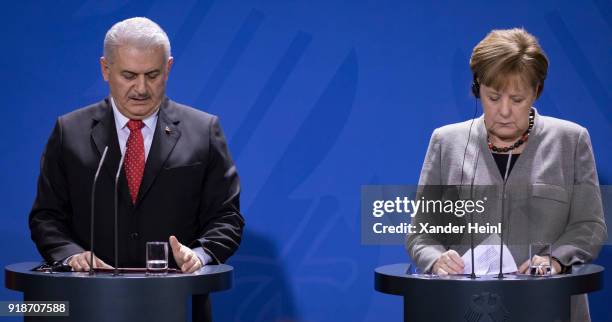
(473, 273)
(93, 199)
(116, 270)
(501, 243)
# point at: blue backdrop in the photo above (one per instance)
(317, 98)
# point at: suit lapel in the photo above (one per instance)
(165, 137)
(104, 133)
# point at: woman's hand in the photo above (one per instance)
(449, 262)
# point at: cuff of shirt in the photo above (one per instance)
(67, 259)
(204, 258)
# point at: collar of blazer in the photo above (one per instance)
(167, 133)
(482, 150)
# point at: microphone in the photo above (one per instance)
(93, 199)
(501, 237)
(116, 272)
(473, 274)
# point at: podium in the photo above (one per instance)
(127, 297)
(487, 298)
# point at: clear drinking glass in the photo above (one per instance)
(540, 249)
(157, 258)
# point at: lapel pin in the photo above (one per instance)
(168, 130)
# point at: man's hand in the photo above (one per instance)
(448, 263)
(185, 257)
(80, 262)
(539, 260)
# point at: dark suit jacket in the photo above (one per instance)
(190, 188)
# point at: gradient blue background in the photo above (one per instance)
(317, 98)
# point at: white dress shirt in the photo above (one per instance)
(123, 132)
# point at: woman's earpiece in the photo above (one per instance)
(476, 87)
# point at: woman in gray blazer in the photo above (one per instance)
(546, 165)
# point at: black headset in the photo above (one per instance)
(475, 87)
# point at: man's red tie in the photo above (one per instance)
(134, 158)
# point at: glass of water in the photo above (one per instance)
(540, 268)
(157, 258)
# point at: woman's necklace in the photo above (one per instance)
(518, 143)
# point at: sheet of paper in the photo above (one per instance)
(486, 258)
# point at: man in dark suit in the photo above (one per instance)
(178, 181)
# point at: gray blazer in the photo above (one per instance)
(552, 192)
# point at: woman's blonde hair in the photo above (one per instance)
(503, 53)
